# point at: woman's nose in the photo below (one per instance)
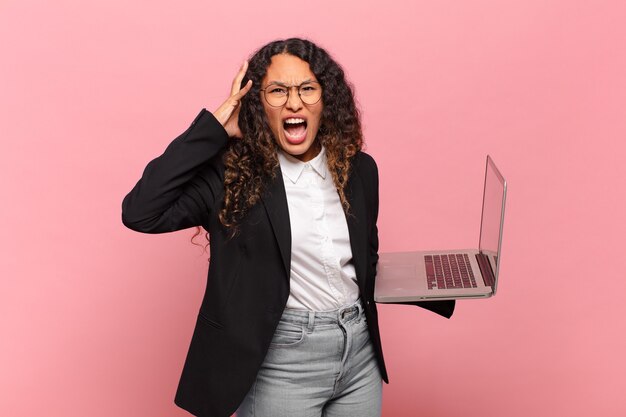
(293, 101)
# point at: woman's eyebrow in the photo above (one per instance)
(308, 80)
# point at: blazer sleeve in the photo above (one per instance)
(178, 189)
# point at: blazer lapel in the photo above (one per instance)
(275, 201)
(357, 226)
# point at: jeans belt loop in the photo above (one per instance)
(348, 310)
(309, 325)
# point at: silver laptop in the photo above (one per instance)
(450, 274)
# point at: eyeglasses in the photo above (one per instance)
(277, 94)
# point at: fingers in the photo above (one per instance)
(237, 81)
(243, 91)
(230, 107)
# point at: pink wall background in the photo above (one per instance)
(95, 319)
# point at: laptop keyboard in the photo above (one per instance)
(449, 271)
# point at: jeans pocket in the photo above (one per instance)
(287, 334)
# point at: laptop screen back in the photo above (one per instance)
(492, 215)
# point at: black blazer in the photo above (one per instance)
(248, 278)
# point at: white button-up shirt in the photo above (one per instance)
(322, 275)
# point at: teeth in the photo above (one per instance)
(294, 120)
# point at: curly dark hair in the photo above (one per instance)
(252, 161)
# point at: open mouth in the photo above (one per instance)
(295, 130)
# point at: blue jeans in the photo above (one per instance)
(318, 364)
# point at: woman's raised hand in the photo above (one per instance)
(228, 113)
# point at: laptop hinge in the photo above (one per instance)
(485, 269)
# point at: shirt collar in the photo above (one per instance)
(292, 167)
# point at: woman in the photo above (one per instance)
(276, 176)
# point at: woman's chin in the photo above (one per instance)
(304, 151)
